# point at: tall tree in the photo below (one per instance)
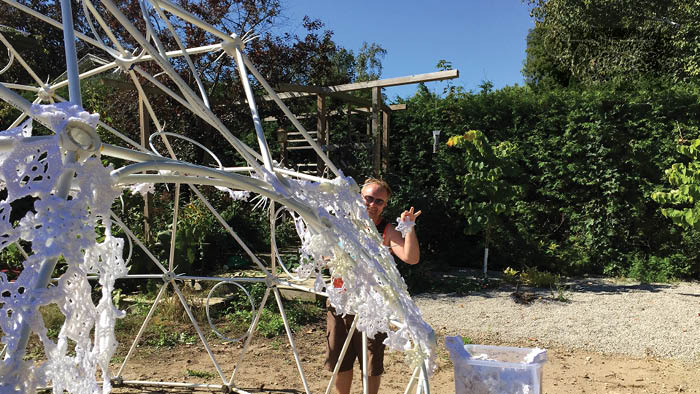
(583, 41)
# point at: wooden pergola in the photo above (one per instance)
(380, 113)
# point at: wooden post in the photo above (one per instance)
(321, 128)
(145, 127)
(385, 142)
(376, 105)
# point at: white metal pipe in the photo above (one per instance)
(202, 338)
(71, 53)
(212, 121)
(262, 142)
(173, 229)
(17, 86)
(139, 243)
(135, 343)
(17, 101)
(199, 278)
(195, 74)
(272, 216)
(283, 171)
(87, 74)
(21, 104)
(6, 143)
(50, 21)
(89, 6)
(142, 276)
(23, 116)
(21, 60)
(307, 213)
(166, 384)
(298, 287)
(214, 177)
(424, 378)
(187, 92)
(412, 381)
(211, 324)
(182, 137)
(10, 62)
(177, 10)
(129, 154)
(344, 350)
(150, 32)
(230, 231)
(278, 297)
(249, 338)
(177, 53)
(290, 115)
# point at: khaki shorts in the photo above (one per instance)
(337, 331)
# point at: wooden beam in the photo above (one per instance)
(393, 107)
(348, 98)
(322, 128)
(319, 90)
(385, 142)
(383, 83)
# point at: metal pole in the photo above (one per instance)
(344, 350)
(71, 54)
(278, 297)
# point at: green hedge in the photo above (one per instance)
(590, 159)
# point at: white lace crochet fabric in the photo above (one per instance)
(404, 226)
(372, 288)
(66, 228)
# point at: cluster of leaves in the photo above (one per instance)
(485, 178)
(682, 204)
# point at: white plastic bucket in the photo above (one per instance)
(484, 369)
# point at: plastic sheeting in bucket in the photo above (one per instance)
(482, 369)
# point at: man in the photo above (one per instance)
(375, 193)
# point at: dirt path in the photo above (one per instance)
(270, 368)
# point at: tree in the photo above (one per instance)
(485, 180)
(583, 41)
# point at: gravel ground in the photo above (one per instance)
(601, 315)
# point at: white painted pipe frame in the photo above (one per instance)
(302, 133)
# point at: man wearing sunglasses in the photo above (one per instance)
(376, 194)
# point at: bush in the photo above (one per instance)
(657, 269)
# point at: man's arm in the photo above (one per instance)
(406, 249)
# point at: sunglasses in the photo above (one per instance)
(377, 201)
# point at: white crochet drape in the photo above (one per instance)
(372, 287)
(76, 230)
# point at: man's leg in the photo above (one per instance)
(373, 383)
(343, 382)
(375, 353)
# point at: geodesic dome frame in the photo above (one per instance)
(72, 221)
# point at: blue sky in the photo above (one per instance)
(484, 39)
